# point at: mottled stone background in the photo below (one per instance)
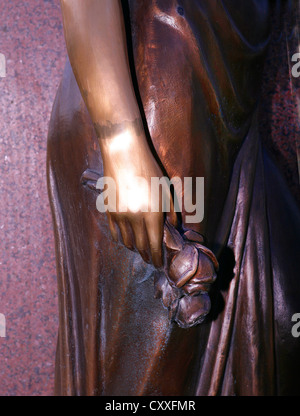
(31, 39)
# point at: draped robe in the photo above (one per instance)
(198, 66)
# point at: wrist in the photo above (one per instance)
(123, 142)
(108, 131)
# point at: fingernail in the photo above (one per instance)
(157, 261)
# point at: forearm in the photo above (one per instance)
(96, 43)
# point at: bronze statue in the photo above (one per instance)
(165, 88)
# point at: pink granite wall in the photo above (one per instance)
(31, 39)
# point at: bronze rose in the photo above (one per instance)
(190, 270)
